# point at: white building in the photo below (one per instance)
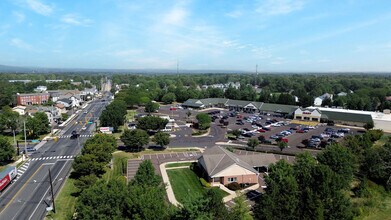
(318, 100)
(41, 89)
(19, 109)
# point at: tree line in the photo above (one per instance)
(324, 187)
(363, 92)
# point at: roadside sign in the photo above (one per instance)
(106, 129)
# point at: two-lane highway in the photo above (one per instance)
(30, 195)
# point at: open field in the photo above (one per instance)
(186, 184)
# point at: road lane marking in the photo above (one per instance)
(21, 188)
(47, 191)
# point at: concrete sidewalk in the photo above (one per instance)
(166, 181)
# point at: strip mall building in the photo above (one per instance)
(381, 120)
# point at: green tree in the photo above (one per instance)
(169, 98)
(151, 123)
(146, 176)
(7, 151)
(114, 115)
(64, 116)
(236, 132)
(341, 161)
(38, 124)
(188, 114)
(10, 120)
(240, 209)
(87, 164)
(102, 201)
(204, 121)
(135, 139)
(108, 142)
(252, 143)
(282, 145)
(151, 107)
(161, 138)
(280, 200)
(84, 182)
(369, 125)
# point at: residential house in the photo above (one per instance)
(41, 89)
(224, 167)
(318, 100)
(342, 94)
(19, 109)
(32, 98)
(53, 113)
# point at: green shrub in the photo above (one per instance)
(204, 183)
(200, 132)
(234, 186)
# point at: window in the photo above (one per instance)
(232, 179)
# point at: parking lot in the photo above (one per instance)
(158, 159)
(253, 125)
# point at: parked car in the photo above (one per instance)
(262, 130)
(273, 137)
(301, 131)
(239, 123)
(248, 134)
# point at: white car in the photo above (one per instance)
(83, 128)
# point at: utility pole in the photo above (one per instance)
(256, 69)
(51, 189)
(25, 136)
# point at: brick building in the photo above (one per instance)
(32, 98)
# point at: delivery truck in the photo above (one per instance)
(6, 177)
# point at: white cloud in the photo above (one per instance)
(40, 7)
(126, 53)
(20, 44)
(76, 20)
(20, 17)
(234, 14)
(279, 7)
(176, 16)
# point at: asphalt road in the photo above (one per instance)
(30, 195)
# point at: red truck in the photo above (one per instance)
(7, 176)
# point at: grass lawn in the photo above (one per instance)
(382, 140)
(376, 206)
(186, 185)
(65, 202)
(178, 164)
(130, 115)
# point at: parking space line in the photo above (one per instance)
(177, 155)
(164, 156)
(170, 155)
(150, 157)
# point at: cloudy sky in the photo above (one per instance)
(278, 35)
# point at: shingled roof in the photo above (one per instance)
(216, 159)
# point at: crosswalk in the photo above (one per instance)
(83, 135)
(23, 169)
(52, 158)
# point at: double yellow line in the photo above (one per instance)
(5, 207)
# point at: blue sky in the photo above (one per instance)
(278, 35)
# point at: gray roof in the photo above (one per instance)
(259, 160)
(278, 108)
(191, 103)
(240, 103)
(346, 116)
(214, 101)
(216, 159)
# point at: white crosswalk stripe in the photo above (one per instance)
(68, 136)
(48, 158)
